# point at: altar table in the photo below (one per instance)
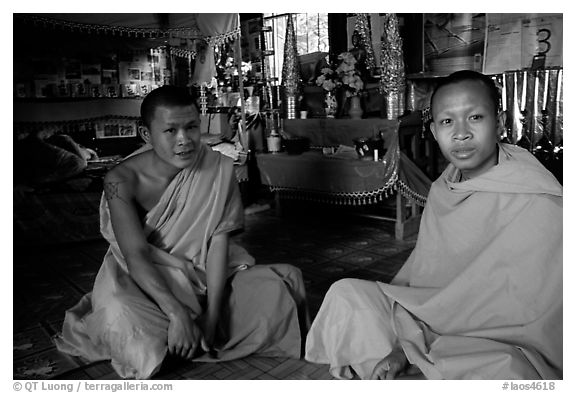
(347, 180)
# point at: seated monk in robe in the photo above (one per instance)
(172, 281)
(480, 297)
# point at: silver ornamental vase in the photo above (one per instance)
(290, 106)
(392, 102)
(355, 110)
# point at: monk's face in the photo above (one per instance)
(465, 126)
(174, 133)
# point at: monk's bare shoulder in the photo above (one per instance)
(121, 180)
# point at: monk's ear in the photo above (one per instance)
(433, 129)
(144, 133)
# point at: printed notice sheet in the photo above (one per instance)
(513, 40)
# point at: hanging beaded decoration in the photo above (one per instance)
(203, 109)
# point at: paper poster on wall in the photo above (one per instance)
(116, 129)
(72, 69)
(91, 73)
(513, 41)
(453, 42)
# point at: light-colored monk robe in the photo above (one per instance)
(484, 293)
(118, 321)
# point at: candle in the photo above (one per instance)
(558, 93)
(536, 84)
(504, 98)
(375, 154)
(524, 82)
(515, 90)
(545, 101)
(556, 128)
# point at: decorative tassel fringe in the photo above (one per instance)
(189, 32)
(411, 194)
(341, 198)
(223, 38)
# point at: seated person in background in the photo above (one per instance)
(360, 55)
(227, 142)
(172, 281)
(43, 157)
(480, 297)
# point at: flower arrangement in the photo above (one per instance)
(345, 75)
(328, 79)
(349, 75)
(231, 70)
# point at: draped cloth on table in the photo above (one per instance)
(119, 322)
(412, 182)
(342, 178)
(484, 299)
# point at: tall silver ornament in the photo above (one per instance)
(362, 26)
(291, 70)
(393, 78)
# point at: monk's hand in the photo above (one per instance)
(391, 365)
(183, 335)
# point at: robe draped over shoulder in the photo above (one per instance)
(118, 321)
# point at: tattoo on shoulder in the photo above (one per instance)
(111, 190)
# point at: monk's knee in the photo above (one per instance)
(116, 306)
(286, 270)
(354, 292)
(345, 285)
(124, 309)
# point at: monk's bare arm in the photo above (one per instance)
(129, 233)
(216, 274)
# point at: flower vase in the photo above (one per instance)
(355, 110)
(330, 104)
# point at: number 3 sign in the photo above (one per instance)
(542, 36)
(514, 40)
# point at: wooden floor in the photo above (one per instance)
(325, 244)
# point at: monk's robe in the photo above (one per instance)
(118, 321)
(483, 298)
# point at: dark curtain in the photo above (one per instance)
(337, 36)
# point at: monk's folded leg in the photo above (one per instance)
(352, 330)
(292, 277)
(458, 357)
(263, 313)
(134, 332)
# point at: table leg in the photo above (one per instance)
(406, 226)
(400, 216)
(277, 204)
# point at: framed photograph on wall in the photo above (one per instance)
(72, 69)
(134, 74)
